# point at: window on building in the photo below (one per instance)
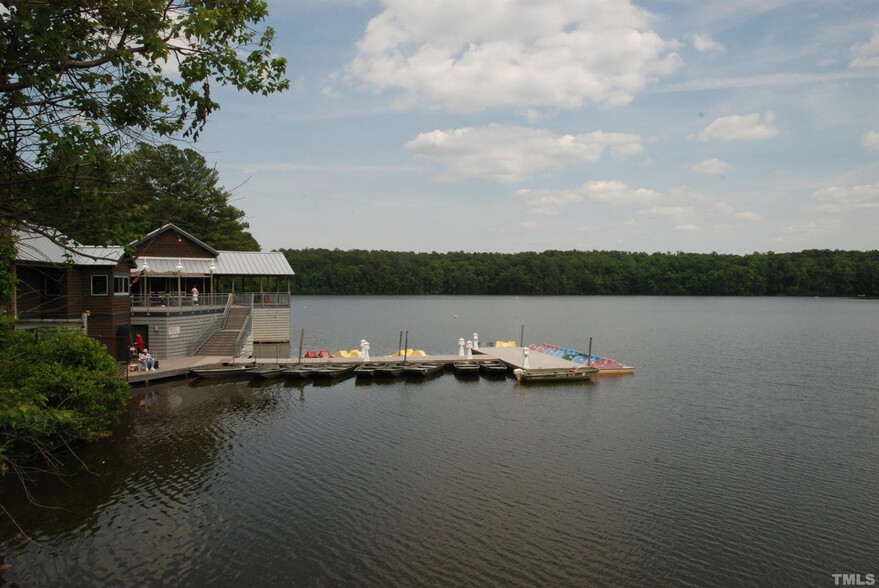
(53, 284)
(100, 285)
(120, 285)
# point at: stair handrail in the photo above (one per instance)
(242, 336)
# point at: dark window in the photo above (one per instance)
(100, 285)
(53, 284)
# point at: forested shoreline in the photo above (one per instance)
(806, 273)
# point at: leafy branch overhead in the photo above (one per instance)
(83, 79)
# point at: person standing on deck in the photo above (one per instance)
(194, 296)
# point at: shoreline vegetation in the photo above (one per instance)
(806, 273)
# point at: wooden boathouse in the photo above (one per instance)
(240, 299)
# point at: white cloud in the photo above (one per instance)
(747, 127)
(748, 216)
(508, 154)
(711, 166)
(548, 202)
(867, 54)
(704, 43)
(608, 193)
(871, 140)
(688, 228)
(677, 215)
(618, 194)
(843, 199)
(469, 56)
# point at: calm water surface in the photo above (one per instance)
(743, 451)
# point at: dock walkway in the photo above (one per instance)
(513, 357)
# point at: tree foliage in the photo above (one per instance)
(808, 273)
(58, 388)
(81, 80)
(168, 184)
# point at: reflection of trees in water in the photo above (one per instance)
(169, 443)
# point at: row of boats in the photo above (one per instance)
(365, 370)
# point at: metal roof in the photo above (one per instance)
(227, 263)
(37, 248)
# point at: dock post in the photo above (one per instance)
(461, 347)
(589, 364)
(469, 350)
(364, 349)
(525, 364)
(406, 348)
(475, 340)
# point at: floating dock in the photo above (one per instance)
(513, 357)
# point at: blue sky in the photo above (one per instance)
(490, 125)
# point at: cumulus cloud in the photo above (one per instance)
(871, 140)
(866, 54)
(749, 127)
(711, 166)
(704, 44)
(748, 216)
(547, 202)
(844, 199)
(606, 193)
(470, 56)
(509, 154)
(613, 193)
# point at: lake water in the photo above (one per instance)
(743, 451)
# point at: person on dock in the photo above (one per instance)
(194, 292)
(146, 360)
(138, 343)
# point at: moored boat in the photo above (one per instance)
(300, 371)
(225, 371)
(422, 370)
(329, 371)
(367, 370)
(493, 368)
(554, 374)
(466, 368)
(266, 371)
(389, 370)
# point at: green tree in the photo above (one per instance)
(58, 388)
(81, 80)
(167, 184)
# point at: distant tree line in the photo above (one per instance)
(807, 273)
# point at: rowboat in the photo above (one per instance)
(422, 370)
(389, 370)
(225, 371)
(367, 370)
(493, 368)
(300, 371)
(554, 374)
(466, 368)
(266, 371)
(332, 371)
